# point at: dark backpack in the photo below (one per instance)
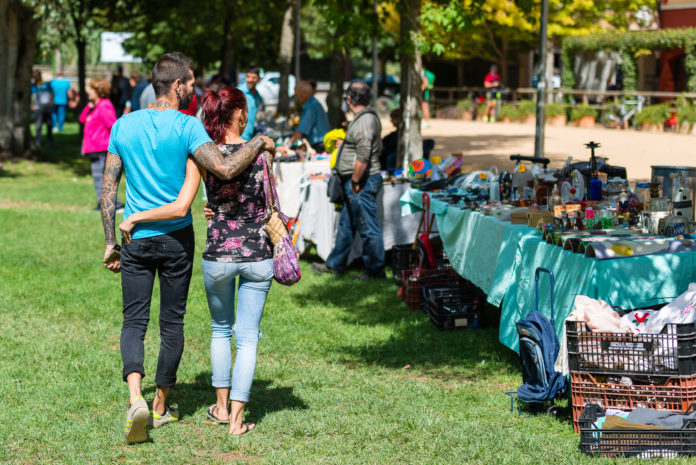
(43, 98)
(538, 351)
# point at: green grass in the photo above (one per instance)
(346, 374)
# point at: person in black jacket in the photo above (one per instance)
(390, 144)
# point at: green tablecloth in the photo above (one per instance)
(500, 258)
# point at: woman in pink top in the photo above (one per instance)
(98, 117)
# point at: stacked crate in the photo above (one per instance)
(452, 307)
(628, 371)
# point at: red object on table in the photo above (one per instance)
(427, 225)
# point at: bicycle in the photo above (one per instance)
(619, 116)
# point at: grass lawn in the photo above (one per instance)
(346, 374)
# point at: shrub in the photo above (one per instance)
(687, 113)
(555, 109)
(508, 110)
(526, 108)
(480, 108)
(465, 105)
(655, 114)
(580, 111)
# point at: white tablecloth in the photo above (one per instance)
(319, 220)
(288, 179)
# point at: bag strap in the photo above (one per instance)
(340, 150)
(269, 189)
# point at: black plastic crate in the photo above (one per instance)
(670, 353)
(403, 257)
(452, 307)
(664, 443)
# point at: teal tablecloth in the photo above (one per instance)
(500, 258)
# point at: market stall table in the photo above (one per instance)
(318, 219)
(289, 177)
(500, 258)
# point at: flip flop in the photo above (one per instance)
(211, 415)
(247, 430)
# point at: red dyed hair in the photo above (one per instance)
(218, 107)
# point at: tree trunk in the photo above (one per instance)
(227, 52)
(460, 73)
(382, 73)
(504, 60)
(81, 45)
(335, 96)
(549, 71)
(18, 38)
(287, 45)
(410, 140)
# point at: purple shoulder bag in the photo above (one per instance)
(286, 264)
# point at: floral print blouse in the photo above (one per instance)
(236, 233)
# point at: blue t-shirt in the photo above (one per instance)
(154, 146)
(314, 123)
(254, 101)
(60, 88)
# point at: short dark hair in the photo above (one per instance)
(359, 93)
(168, 69)
(254, 69)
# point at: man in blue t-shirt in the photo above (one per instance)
(314, 123)
(152, 146)
(60, 87)
(254, 100)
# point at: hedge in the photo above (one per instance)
(631, 45)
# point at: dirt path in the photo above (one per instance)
(486, 144)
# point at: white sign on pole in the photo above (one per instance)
(112, 48)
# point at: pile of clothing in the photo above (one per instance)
(604, 350)
(645, 419)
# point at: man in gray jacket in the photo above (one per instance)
(359, 167)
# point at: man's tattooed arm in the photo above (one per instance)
(209, 157)
(108, 200)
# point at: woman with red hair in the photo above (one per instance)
(237, 245)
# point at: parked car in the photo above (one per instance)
(269, 86)
(389, 89)
(392, 79)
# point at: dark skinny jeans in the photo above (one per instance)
(171, 257)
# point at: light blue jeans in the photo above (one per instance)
(254, 282)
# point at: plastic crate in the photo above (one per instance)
(452, 307)
(673, 394)
(666, 443)
(413, 280)
(670, 353)
(404, 257)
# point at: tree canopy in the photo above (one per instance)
(495, 30)
(201, 30)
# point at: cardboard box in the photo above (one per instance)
(533, 217)
(519, 216)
